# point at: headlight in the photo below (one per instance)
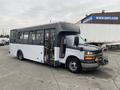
(88, 53)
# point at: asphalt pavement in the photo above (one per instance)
(27, 75)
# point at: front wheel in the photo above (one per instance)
(74, 65)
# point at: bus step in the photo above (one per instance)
(53, 63)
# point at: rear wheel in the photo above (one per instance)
(20, 55)
(74, 65)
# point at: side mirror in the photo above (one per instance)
(85, 40)
(76, 41)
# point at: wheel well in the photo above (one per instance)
(68, 59)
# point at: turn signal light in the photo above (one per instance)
(90, 57)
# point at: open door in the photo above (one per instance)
(49, 46)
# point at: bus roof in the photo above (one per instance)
(60, 26)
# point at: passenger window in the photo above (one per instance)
(33, 36)
(26, 35)
(21, 36)
(39, 37)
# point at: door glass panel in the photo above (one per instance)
(49, 45)
(52, 34)
(47, 53)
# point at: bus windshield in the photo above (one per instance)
(81, 40)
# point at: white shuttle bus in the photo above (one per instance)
(56, 44)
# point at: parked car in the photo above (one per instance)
(4, 41)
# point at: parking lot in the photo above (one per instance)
(27, 75)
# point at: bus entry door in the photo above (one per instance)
(49, 47)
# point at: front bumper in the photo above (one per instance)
(89, 66)
(92, 65)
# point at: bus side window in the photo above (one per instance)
(20, 37)
(39, 37)
(25, 37)
(32, 38)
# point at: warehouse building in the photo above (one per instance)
(101, 28)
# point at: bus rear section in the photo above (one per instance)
(35, 45)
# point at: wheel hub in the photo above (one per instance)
(73, 66)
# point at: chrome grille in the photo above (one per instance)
(99, 56)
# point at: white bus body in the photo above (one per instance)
(31, 52)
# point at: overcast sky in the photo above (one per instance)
(22, 13)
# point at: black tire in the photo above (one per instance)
(74, 65)
(20, 55)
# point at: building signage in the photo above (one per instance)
(100, 18)
(104, 18)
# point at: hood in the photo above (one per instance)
(88, 47)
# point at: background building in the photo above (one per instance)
(102, 18)
(101, 28)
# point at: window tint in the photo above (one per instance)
(21, 36)
(53, 35)
(29, 37)
(47, 34)
(50, 37)
(39, 37)
(33, 36)
(26, 35)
